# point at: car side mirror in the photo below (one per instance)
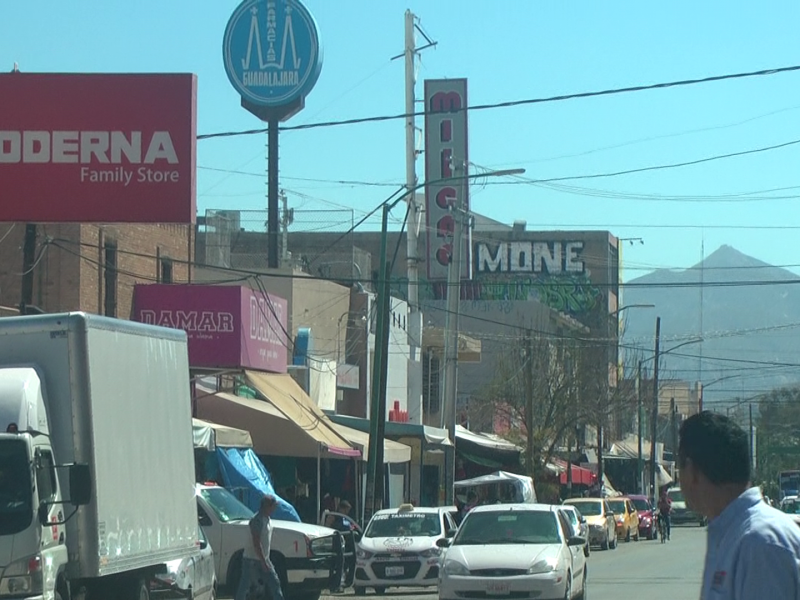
(576, 541)
(203, 544)
(582, 519)
(444, 542)
(80, 484)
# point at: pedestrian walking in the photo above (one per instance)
(258, 572)
(753, 549)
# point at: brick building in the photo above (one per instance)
(91, 267)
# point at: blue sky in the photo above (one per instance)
(508, 50)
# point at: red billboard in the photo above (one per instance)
(227, 326)
(103, 148)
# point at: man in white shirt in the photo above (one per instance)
(753, 549)
(257, 569)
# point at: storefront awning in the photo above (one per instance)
(485, 441)
(289, 399)
(272, 433)
(393, 452)
(210, 436)
(433, 436)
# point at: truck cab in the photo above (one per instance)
(306, 557)
(32, 550)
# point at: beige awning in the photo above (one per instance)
(212, 435)
(291, 401)
(469, 349)
(393, 452)
(272, 433)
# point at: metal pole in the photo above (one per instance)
(28, 261)
(273, 221)
(654, 423)
(376, 416)
(380, 494)
(451, 338)
(639, 418)
(319, 483)
(673, 425)
(412, 268)
(752, 450)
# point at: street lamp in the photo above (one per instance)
(380, 363)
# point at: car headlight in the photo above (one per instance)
(431, 552)
(545, 565)
(323, 545)
(22, 577)
(363, 554)
(453, 567)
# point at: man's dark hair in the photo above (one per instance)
(717, 446)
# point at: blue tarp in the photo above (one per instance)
(245, 475)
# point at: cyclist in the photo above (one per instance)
(664, 510)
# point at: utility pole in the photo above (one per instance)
(528, 379)
(412, 230)
(673, 427)
(654, 423)
(640, 427)
(287, 217)
(451, 332)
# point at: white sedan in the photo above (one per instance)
(512, 549)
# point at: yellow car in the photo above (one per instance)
(626, 517)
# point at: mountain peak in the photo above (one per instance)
(728, 257)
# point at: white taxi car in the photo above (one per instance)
(514, 551)
(399, 548)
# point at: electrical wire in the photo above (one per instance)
(512, 103)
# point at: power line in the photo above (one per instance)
(512, 103)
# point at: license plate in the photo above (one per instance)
(497, 588)
(395, 571)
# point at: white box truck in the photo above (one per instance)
(96, 456)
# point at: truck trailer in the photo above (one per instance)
(96, 456)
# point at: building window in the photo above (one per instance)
(110, 277)
(166, 270)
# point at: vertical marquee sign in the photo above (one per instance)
(445, 156)
(273, 58)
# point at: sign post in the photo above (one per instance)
(273, 58)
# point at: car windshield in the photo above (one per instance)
(588, 509)
(792, 508)
(225, 505)
(508, 527)
(641, 504)
(16, 499)
(407, 524)
(675, 495)
(618, 506)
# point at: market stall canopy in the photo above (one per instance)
(522, 483)
(210, 436)
(580, 475)
(286, 395)
(433, 436)
(393, 452)
(481, 439)
(272, 433)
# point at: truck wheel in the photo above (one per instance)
(234, 573)
(360, 591)
(380, 591)
(137, 590)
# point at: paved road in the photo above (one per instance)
(651, 570)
